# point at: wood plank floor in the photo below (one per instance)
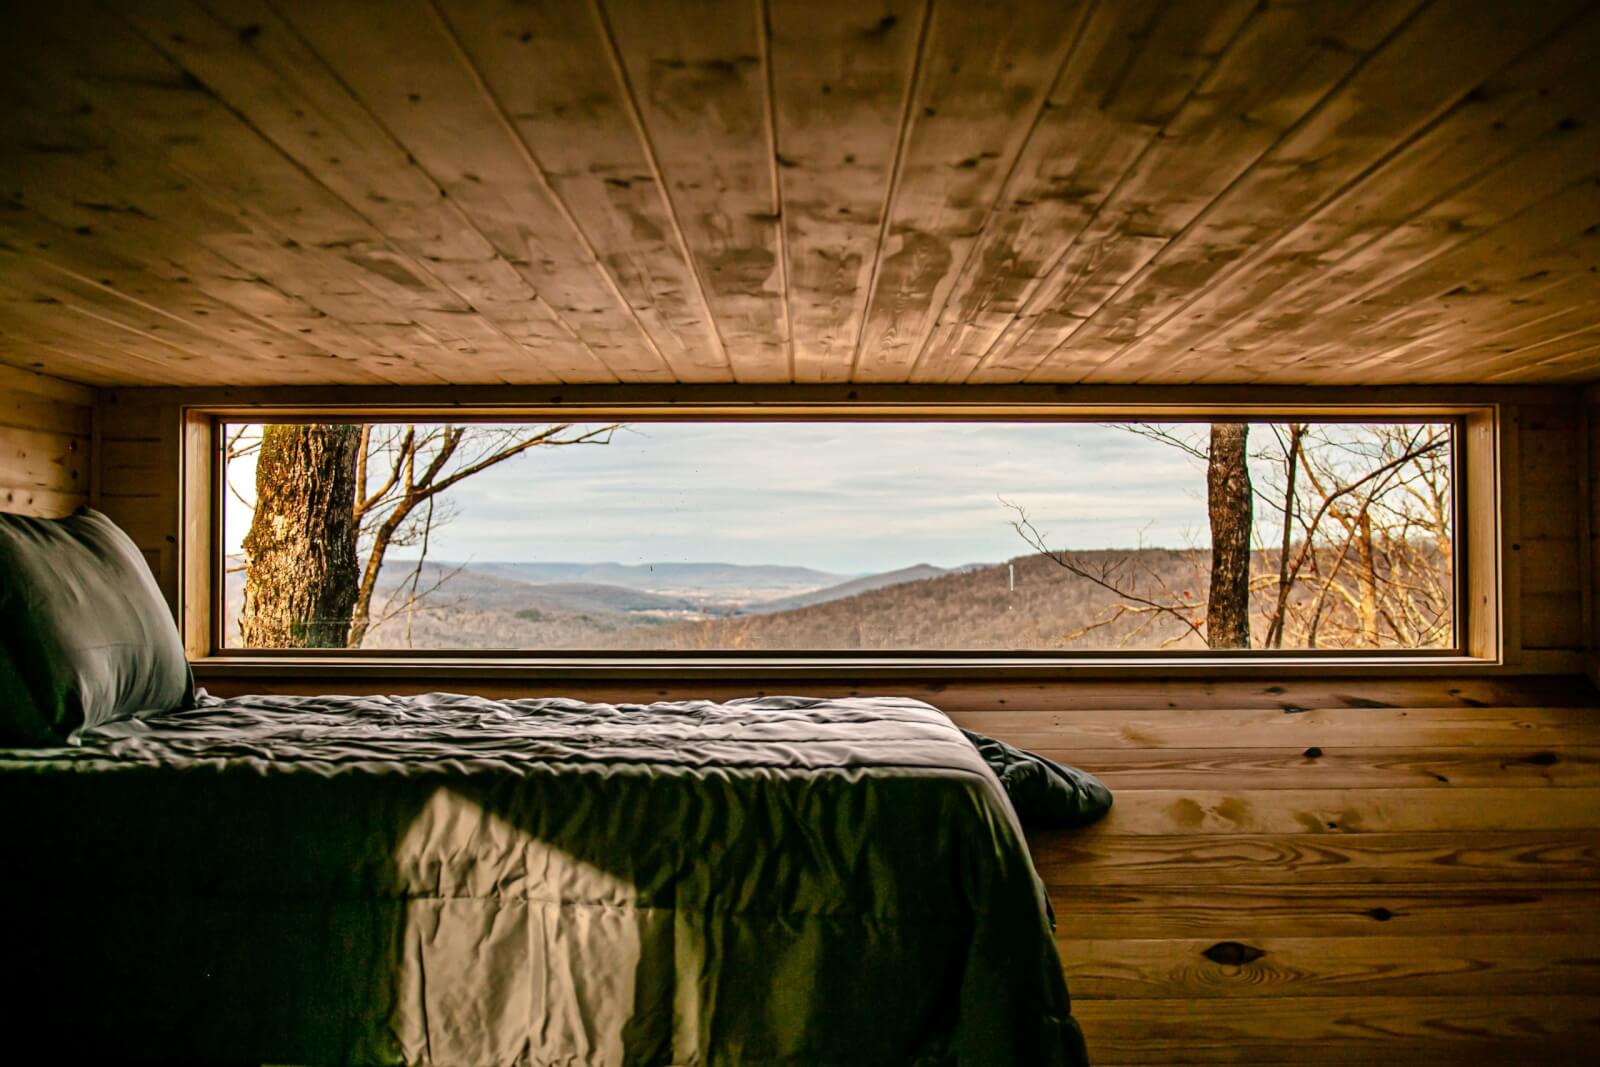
(1388, 885)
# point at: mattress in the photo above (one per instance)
(447, 879)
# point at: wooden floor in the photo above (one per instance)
(1379, 885)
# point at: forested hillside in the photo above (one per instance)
(1143, 599)
(1114, 598)
(1042, 607)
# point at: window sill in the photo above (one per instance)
(821, 667)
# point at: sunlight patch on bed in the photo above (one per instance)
(515, 949)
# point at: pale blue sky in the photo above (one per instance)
(841, 497)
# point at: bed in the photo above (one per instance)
(452, 880)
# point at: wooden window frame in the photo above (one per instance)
(1479, 566)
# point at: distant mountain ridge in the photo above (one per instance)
(855, 586)
(711, 579)
(514, 604)
(1029, 602)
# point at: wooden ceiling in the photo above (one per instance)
(481, 191)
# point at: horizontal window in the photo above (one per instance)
(744, 536)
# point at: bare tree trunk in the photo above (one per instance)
(416, 575)
(367, 584)
(1291, 464)
(1229, 501)
(1367, 579)
(302, 579)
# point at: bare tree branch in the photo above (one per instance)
(1104, 579)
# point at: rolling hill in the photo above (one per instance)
(1027, 603)
(563, 605)
(706, 580)
(853, 587)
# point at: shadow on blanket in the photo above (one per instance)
(470, 912)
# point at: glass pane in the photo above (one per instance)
(799, 536)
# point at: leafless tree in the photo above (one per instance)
(382, 487)
(402, 472)
(1143, 594)
(1351, 546)
(1230, 508)
(300, 584)
(1371, 549)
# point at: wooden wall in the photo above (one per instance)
(140, 476)
(1367, 870)
(46, 438)
(1325, 883)
(1545, 531)
(1355, 870)
(1589, 505)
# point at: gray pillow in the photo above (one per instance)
(85, 636)
(1044, 793)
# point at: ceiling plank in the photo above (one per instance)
(1563, 352)
(1131, 68)
(264, 73)
(197, 286)
(67, 216)
(157, 129)
(548, 70)
(1416, 201)
(57, 341)
(35, 287)
(79, 204)
(1181, 52)
(1463, 288)
(1452, 293)
(841, 72)
(1475, 302)
(1582, 364)
(411, 76)
(1274, 68)
(698, 85)
(598, 191)
(1547, 311)
(32, 288)
(981, 88)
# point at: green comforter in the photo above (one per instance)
(452, 880)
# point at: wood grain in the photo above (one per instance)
(1343, 811)
(481, 305)
(1261, 72)
(45, 436)
(1448, 918)
(584, 191)
(551, 71)
(697, 84)
(1436, 855)
(1465, 965)
(970, 114)
(1337, 223)
(1479, 1029)
(841, 75)
(1295, 767)
(1315, 910)
(1072, 732)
